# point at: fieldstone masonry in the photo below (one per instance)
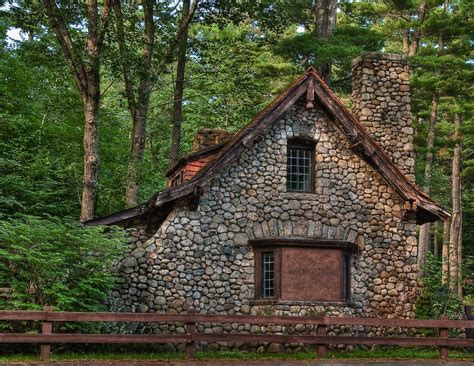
(202, 258)
(207, 138)
(381, 100)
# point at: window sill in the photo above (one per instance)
(262, 302)
(301, 195)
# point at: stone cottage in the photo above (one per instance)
(310, 207)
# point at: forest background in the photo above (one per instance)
(98, 98)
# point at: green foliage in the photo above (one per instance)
(245, 77)
(348, 42)
(47, 261)
(231, 74)
(241, 54)
(436, 299)
(40, 143)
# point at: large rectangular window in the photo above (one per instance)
(302, 271)
(299, 168)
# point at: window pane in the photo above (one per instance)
(268, 266)
(299, 173)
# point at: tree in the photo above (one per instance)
(442, 75)
(40, 142)
(139, 82)
(417, 32)
(424, 234)
(178, 92)
(331, 48)
(326, 11)
(456, 220)
(48, 261)
(85, 67)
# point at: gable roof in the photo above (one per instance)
(425, 208)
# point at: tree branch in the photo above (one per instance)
(104, 20)
(65, 41)
(96, 29)
(124, 57)
(145, 67)
(184, 24)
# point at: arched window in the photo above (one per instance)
(300, 165)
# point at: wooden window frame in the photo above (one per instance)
(259, 272)
(177, 179)
(308, 145)
(346, 273)
(275, 245)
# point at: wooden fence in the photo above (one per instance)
(192, 337)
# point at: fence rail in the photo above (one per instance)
(192, 336)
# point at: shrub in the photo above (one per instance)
(436, 299)
(48, 261)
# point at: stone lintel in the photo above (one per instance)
(304, 242)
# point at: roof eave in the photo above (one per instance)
(248, 135)
(117, 217)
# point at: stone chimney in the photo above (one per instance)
(381, 100)
(209, 137)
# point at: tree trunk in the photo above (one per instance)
(139, 106)
(406, 42)
(456, 220)
(139, 110)
(85, 70)
(460, 261)
(91, 155)
(178, 92)
(415, 41)
(136, 154)
(326, 13)
(424, 237)
(435, 241)
(445, 253)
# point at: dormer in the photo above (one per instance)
(206, 146)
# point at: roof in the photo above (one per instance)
(423, 206)
(193, 156)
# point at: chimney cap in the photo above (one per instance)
(208, 137)
(378, 56)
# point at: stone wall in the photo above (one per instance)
(202, 258)
(381, 100)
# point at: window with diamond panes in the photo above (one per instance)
(299, 174)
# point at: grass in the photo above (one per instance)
(382, 352)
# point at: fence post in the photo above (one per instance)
(46, 328)
(443, 333)
(191, 329)
(321, 331)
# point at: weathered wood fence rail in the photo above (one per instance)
(192, 337)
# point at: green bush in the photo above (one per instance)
(48, 261)
(436, 299)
